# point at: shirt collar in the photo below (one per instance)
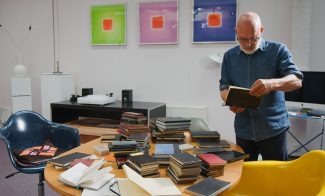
(262, 46)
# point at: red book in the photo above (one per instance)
(86, 162)
(212, 159)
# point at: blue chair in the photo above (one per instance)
(26, 129)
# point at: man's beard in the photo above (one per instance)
(257, 45)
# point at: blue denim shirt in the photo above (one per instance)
(271, 60)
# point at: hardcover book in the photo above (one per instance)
(184, 159)
(204, 143)
(67, 159)
(86, 162)
(208, 187)
(212, 159)
(232, 156)
(205, 134)
(142, 160)
(164, 149)
(215, 149)
(239, 97)
(173, 120)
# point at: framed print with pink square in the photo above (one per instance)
(108, 24)
(214, 21)
(158, 22)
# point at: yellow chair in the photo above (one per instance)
(304, 176)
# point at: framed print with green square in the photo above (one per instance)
(108, 24)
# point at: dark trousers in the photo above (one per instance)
(274, 148)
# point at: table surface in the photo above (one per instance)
(232, 171)
(116, 104)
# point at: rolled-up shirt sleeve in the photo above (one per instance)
(286, 65)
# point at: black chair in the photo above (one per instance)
(26, 129)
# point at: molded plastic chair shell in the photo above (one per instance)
(26, 129)
(199, 124)
(304, 176)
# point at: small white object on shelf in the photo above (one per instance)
(96, 99)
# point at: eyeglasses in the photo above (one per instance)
(245, 40)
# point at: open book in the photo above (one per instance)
(90, 177)
(137, 185)
(239, 97)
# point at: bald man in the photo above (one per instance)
(266, 68)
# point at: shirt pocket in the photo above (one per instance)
(266, 72)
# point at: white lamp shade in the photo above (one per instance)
(20, 70)
(216, 58)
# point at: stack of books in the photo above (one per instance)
(160, 137)
(126, 129)
(206, 139)
(212, 165)
(142, 140)
(123, 146)
(163, 151)
(133, 118)
(170, 129)
(184, 168)
(108, 138)
(144, 164)
(132, 122)
(121, 158)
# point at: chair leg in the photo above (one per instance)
(41, 184)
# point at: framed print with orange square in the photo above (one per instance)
(108, 24)
(214, 21)
(158, 22)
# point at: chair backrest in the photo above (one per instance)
(24, 129)
(199, 124)
(303, 176)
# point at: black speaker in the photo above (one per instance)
(86, 91)
(127, 96)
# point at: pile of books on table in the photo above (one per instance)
(209, 139)
(133, 118)
(121, 158)
(127, 129)
(212, 165)
(132, 122)
(142, 140)
(109, 137)
(184, 168)
(169, 129)
(143, 164)
(123, 146)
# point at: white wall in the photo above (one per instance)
(15, 15)
(317, 36)
(176, 74)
